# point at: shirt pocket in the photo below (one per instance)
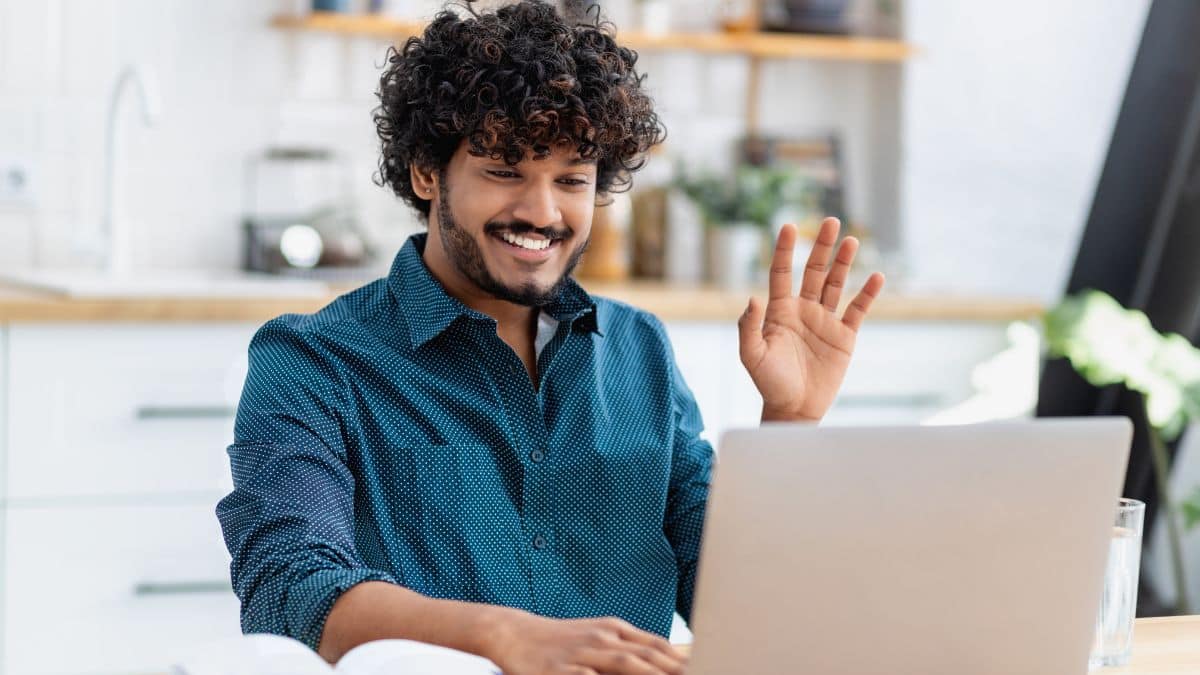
(447, 489)
(453, 517)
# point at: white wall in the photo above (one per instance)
(1185, 480)
(999, 126)
(1006, 119)
(230, 85)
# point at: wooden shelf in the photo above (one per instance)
(755, 44)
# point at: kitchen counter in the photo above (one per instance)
(1161, 646)
(668, 302)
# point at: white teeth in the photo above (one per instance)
(531, 244)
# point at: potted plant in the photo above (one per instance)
(737, 212)
(1108, 344)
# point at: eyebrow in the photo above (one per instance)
(577, 161)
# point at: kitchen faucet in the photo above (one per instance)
(114, 231)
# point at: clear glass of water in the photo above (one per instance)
(1114, 625)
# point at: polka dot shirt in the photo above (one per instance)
(393, 436)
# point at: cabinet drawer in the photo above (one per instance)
(103, 409)
(114, 589)
(929, 362)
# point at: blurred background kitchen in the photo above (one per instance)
(173, 173)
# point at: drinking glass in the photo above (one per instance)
(1114, 625)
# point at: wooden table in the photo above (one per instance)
(1165, 646)
(1161, 646)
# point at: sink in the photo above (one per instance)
(169, 283)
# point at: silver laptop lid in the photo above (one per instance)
(972, 549)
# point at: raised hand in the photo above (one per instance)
(797, 349)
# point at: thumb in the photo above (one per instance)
(750, 337)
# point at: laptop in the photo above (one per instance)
(975, 549)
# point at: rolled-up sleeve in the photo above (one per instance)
(691, 470)
(289, 521)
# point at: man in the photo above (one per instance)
(472, 451)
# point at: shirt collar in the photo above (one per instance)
(428, 310)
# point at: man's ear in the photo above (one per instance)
(424, 181)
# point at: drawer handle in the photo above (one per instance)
(144, 588)
(890, 401)
(190, 412)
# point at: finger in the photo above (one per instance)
(857, 311)
(614, 662)
(666, 655)
(750, 337)
(818, 260)
(659, 644)
(832, 293)
(665, 658)
(780, 282)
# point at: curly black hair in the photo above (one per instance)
(519, 80)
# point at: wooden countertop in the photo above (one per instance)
(1161, 646)
(668, 302)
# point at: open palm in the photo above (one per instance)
(796, 348)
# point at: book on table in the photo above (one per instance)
(266, 654)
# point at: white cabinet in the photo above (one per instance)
(112, 459)
(113, 589)
(122, 409)
(906, 372)
(903, 372)
(113, 438)
(3, 472)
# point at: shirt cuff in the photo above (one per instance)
(309, 602)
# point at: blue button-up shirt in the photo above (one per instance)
(394, 436)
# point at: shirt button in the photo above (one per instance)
(539, 542)
(537, 455)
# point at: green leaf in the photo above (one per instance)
(1108, 344)
(752, 194)
(1190, 508)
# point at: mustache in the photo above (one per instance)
(520, 227)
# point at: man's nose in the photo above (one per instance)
(538, 205)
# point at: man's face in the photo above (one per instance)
(515, 232)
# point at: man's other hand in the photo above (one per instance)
(797, 348)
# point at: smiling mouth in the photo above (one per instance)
(527, 243)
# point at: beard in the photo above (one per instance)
(464, 253)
